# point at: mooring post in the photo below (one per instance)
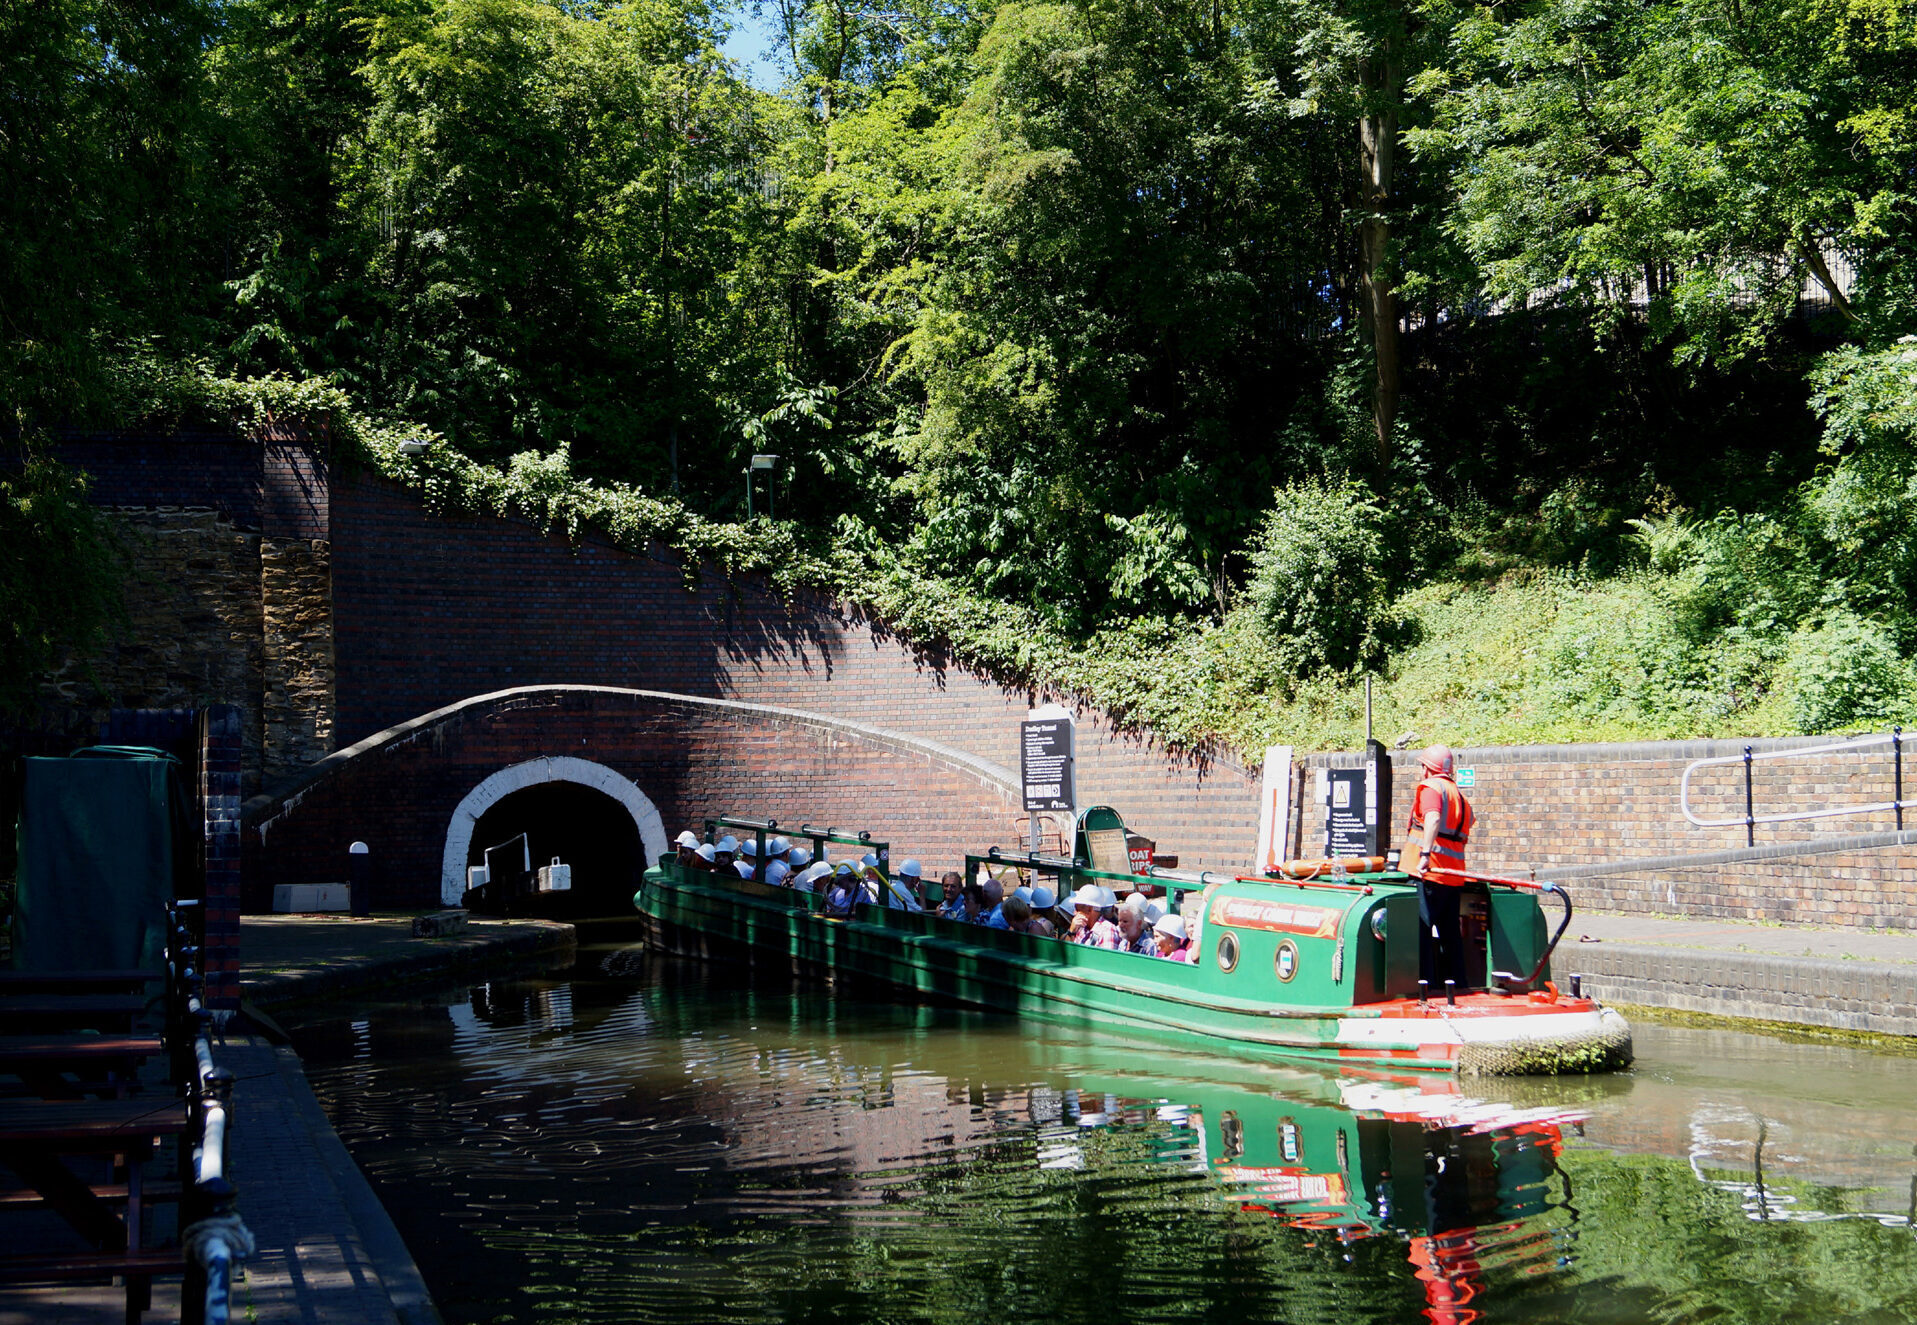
(1750, 819)
(359, 880)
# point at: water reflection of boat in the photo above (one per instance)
(1322, 967)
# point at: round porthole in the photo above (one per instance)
(1378, 924)
(1286, 962)
(1227, 952)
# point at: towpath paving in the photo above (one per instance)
(1811, 975)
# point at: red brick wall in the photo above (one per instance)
(400, 792)
(430, 611)
(1569, 807)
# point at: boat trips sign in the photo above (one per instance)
(1046, 751)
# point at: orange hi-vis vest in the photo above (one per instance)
(1455, 818)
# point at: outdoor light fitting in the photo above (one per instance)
(765, 461)
(414, 446)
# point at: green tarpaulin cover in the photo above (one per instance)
(97, 839)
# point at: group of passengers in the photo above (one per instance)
(1093, 916)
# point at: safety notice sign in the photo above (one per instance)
(1045, 764)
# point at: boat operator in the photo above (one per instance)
(1441, 822)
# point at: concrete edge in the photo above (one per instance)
(550, 939)
(1873, 997)
(398, 1275)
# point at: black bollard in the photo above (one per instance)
(359, 878)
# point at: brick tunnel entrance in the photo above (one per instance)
(582, 826)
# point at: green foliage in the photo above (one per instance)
(1846, 673)
(1318, 575)
(59, 577)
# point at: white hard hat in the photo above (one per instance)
(749, 847)
(1088, 895)
(1154, 911)
(778, 846)
(686, 839)
(727, 843)
(800, 858)
(911, 869)
(705, 851)
(868, 859)
(1023, 894)
(811, 875)
(1042, 899)
(1171, 927)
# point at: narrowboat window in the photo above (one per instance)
(1285, 960)
(1227, 952)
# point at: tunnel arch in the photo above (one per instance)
(532, 773)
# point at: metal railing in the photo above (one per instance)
(1750, 818)
(212, 1234)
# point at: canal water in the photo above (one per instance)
(652, 1139)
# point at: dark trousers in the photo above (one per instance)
(1440, 958)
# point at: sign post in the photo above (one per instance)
(1047, 750)
(1357, 805)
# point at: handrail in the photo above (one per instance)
(1750, 818)
(765, 828)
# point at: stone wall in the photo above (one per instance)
(227, 594)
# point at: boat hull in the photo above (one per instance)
(1173, 1002)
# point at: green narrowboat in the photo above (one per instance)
(1322, 967)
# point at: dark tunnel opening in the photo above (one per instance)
(586, 829)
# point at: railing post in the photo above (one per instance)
(1897, 772)
(1750, 817)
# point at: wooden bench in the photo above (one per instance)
(76, 982)
(95, 1063)
(33, 1013)
(139, 1269)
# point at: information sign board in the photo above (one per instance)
(1046, 753)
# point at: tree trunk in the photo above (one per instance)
(1379, 76)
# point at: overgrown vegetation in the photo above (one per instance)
(1105, 344)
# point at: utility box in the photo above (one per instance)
(553, 878)
(295, 897)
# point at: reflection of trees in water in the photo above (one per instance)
(765, 1154)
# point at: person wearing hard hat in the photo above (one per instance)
(911, 876)
(1440, 826)
(1169, 939)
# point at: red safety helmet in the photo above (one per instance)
(1439, 759)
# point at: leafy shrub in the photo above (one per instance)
(1318, 581)
(1844, 673)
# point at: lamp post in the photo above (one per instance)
(769, 463)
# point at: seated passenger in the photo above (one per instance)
(727, 848)
(1168, 938)
(1091, 922)
(1134, 931)
(749, 856)
(809, 878)
(892, 892)
(704, 857)
(778, 874)
(743, 868)
(912, 876)
(779, 848)
(799, 858)
(953, 907)
(992, 892)
(843, 892)
(687, 842)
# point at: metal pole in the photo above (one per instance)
(1897, 767)
(1032, 829)
(1367, 710)
(1750, 818)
